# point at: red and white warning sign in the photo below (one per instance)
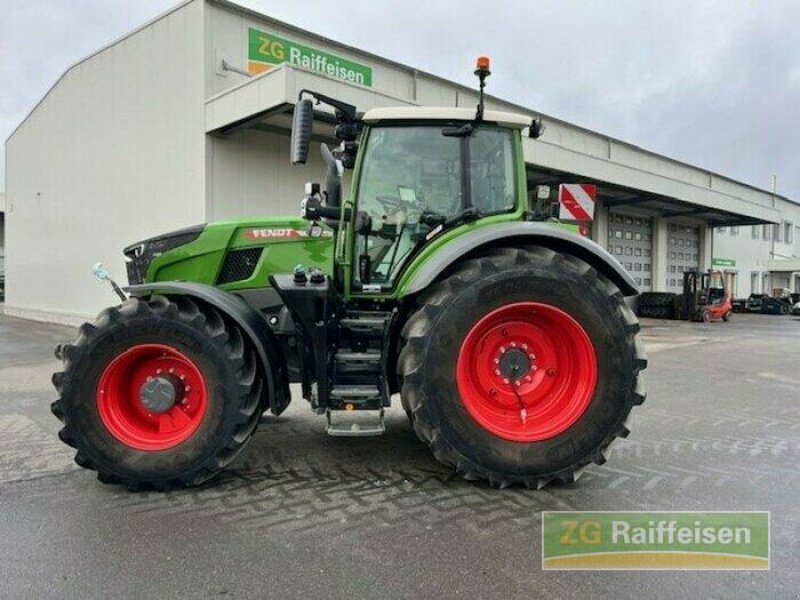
(576, 201)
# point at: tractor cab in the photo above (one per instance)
(419, 172)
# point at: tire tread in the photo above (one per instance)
(420, 325)
(210, 323)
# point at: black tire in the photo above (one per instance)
(727, 316)
(657, 305)
(216, 346)
(656, 299)
(433, 335)
(656, 312)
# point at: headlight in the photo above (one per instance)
(138, 256)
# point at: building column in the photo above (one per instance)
(600, 228)
(706, 248)
(659, 265)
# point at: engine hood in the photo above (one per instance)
(238, 254)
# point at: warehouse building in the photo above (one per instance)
(2, 246)
(186, 120)
(765, 258)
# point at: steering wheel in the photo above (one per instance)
(394, 205)
(390, 203)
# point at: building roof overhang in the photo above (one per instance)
(266, 102)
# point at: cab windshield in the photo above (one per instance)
(413, 181)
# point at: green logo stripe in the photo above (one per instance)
(655, 561)
(679, 540)
(267, 48)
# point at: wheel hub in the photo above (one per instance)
(514, 363)
(158, 394)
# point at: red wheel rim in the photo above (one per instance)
(129, 420)
(526, 371)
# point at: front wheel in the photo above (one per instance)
(522, 366)
(158, 393)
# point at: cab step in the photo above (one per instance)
(355, 423)
(358, 362)
(359, 357)
(366, 324)
(356, 394)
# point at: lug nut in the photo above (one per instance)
(493, 392)
(497, 371)
(505, 380)
(551, 372)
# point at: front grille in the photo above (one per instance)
(239, 265)
(137, 269)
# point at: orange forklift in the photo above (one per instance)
(708, 296)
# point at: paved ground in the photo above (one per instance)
(302, 514)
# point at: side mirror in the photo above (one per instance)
(302, 122)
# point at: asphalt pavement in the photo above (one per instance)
(301, 514)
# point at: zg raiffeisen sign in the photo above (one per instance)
(655, 540)
(266, 50)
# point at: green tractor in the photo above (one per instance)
(506, 335)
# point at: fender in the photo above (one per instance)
(247, 318)
(538, 234)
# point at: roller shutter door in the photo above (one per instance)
(630, 241)
(683, 254)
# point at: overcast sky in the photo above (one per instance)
(713, 83)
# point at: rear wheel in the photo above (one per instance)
(158, 393)
(541, 367)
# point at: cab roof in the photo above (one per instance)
(443, 113)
